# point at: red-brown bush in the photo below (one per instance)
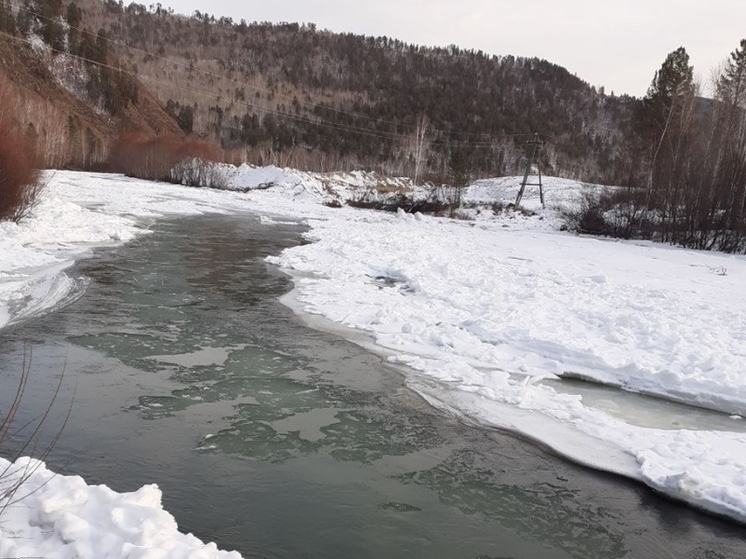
(152, 158)
(19, 179)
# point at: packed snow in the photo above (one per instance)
(55, 516)
(483, 316)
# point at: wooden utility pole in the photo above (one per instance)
(537, 143)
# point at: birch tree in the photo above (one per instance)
(420, 145)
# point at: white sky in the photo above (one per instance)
(617, 44)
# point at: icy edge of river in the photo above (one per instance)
(704, 469)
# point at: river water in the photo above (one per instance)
(180, 367)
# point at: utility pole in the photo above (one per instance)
(537, 143)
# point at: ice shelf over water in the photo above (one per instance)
(479, 312)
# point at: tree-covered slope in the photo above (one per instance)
(294, 94)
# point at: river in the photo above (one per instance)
(180, 367)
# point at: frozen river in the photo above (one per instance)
(277, 440)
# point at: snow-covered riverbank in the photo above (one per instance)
(490, 308)
(482, 313)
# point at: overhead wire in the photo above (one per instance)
(263, 108)
(203, 93)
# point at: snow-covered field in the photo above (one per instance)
(481, 315)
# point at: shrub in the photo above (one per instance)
(435, 203)
(614, 212)
(153, 157)
(21, 437)
(589, 218)
(197, 172)
(19, 179)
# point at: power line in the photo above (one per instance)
(265, 109)
(209, 73)
(212, 95)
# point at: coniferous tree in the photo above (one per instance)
(665, 113)
(47, 13)
(185, 118)
(731, 87)
(73, 16)
(673, 82)
(23, 19)
(102, 47)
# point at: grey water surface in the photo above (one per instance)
(180, 367)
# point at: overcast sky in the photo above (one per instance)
(618, 45)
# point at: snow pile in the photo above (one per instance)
(374, 188)
(247, 177)
(319, 187)
(643, 318)
(61, 517)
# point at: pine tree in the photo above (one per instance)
(24, 19)
(185, 118)
(73, 16)
(102, 47)
(731, 87)
(669, 94)
(666, 113)
(672, 83)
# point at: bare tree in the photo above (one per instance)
(420, 145)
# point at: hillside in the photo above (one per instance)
(65, 99)
(292, 94)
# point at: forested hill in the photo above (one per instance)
(296, 95)
(76, 74)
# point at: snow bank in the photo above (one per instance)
(318, 187)
(61, 517)
(559, 193)
(489, 310)
(643, 317)
(36, 253)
